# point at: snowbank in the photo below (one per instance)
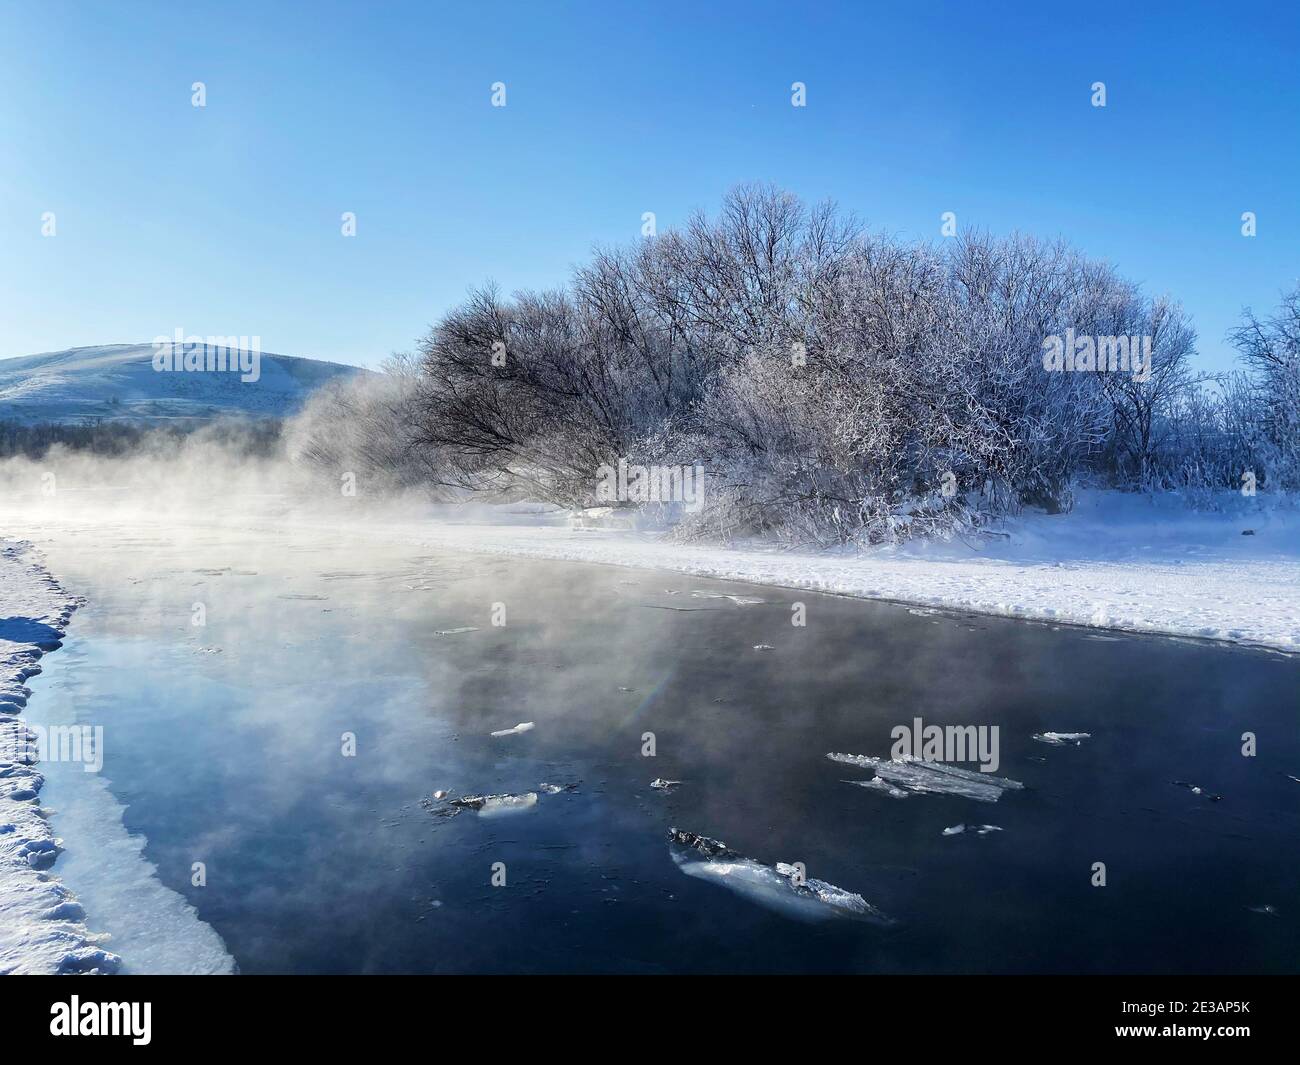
(1136, 563)
(42, 928)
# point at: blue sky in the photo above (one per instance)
(226, 219)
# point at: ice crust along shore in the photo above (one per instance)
(112, 894)
(1118, 561)
(42, 926)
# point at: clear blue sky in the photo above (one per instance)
(225, 220)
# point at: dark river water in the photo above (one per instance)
(224, 743)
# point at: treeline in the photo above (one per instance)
(117, 439)
(835, 384)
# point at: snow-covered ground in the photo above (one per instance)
(1117, 561)
(118, 382)
(42, 927)
(46, 923)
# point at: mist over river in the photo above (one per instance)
(281, 701)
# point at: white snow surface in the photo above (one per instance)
(1138, 563)
(42, 926)
(118, 382)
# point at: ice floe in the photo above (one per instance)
(781, 887)
(495, 805)
(1060, 739)
(922, 777)
(1196, 789)
(523, 726)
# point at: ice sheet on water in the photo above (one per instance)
(523, 726)
(922, 777)
(1196, 789)
(778, 887)
(496, 805)
(1060, 739)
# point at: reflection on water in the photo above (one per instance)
(294, 741)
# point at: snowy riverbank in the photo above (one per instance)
(1117, 561)
(42, 929)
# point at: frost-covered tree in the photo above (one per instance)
(837, 384)
(1270, 350)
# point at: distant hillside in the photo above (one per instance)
(118, 382)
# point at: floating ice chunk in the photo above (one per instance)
(454, 632)
(781, 888)
(876, 784)
(496, 805)
(491, 805)
(1196, 789)
(664, 785)
(1060, 739)
(916, 775)
(523, 726)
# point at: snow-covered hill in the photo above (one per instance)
(118, 382)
